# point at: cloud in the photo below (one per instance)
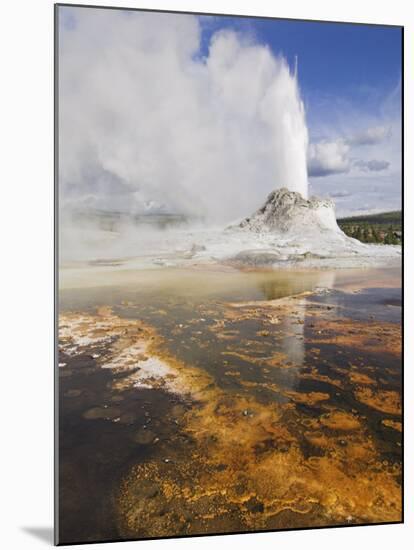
(328, 157)
(144, 120)
(339, 194)
(375, 191)
(332, 156)
(372, 130)
(372, 165)
(370, 136)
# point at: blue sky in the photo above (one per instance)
(350, 83)
(356, 61)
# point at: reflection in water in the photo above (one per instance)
(293, 341)
(278, 284)
(264, 412)
(187, 284)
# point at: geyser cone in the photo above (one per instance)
(286, 211)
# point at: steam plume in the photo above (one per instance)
(150, 121)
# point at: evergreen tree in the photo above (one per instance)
(358, 233)
(390, 238)
(366, 237)
(375, 235)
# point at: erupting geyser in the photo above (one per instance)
(205, 137)
(289, 229)
(291, 143)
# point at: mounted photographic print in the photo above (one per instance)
(229, 282)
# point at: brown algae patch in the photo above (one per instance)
(369, 337)
(385, 401)
(310, 398)
(128, 347)
(106, 413)
(249, 469)
(251, 463)
(360, 378)
(316, 376)
(340, 420)
(248, 472)
(392, 424)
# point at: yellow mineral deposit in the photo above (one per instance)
(253, 464)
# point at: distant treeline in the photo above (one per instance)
(384, 228)
(112, 220)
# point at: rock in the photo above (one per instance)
(105, 412)
(197, 248)
(143, 488)
(117, 398)
(73, 393)
(285, 210)
(256, 258)
(254, 506)
(305, 256)
(127, 418)
(289, 229)
(177, 411)
(274, 320)
(193, 251)
(144, 437)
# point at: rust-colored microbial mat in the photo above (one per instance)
(233, 411)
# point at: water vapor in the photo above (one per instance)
(152, 121)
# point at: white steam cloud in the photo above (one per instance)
(147, 123)
(328, 157)
(371, 136)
